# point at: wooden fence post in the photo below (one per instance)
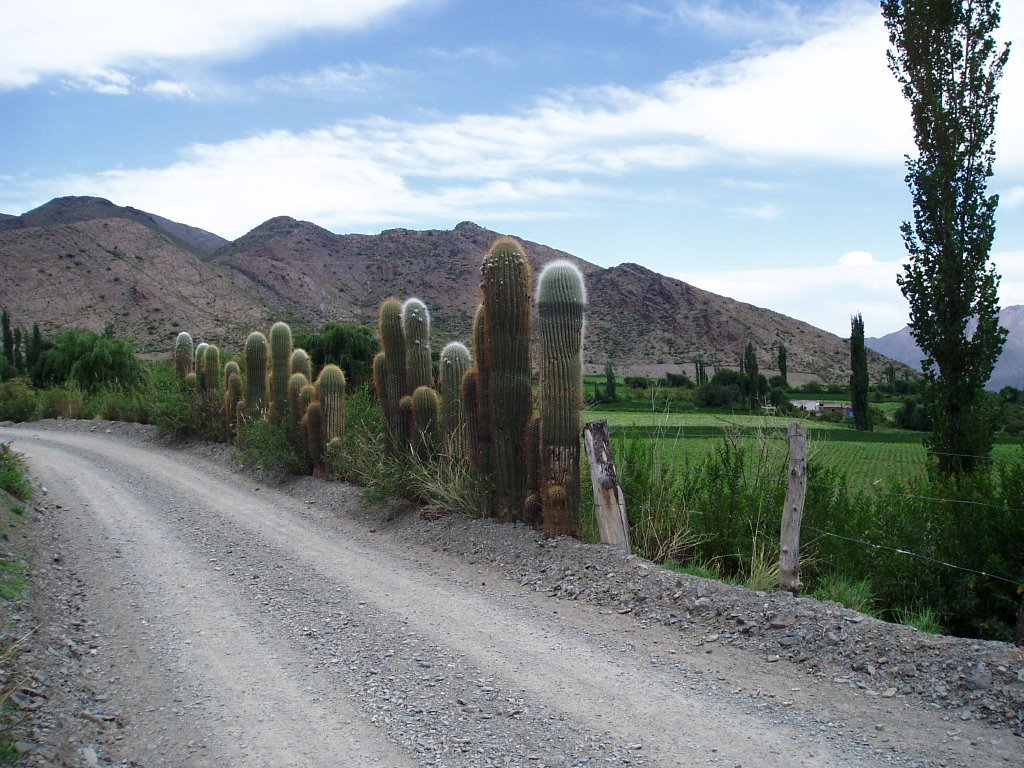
(609, 501)
(796, 493)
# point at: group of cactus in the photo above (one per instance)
(485, 404)
(278, 385)
(403, 375)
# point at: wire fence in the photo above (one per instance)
(892, 484)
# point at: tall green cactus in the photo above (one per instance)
(210, 383)
(330, 391)
(300, 363)
(416, 330)
(426, 413)
(183, 356)
(232, 397)
(231, 367)
(507, 295)
(306, 396)
(313, 429)
(295, 410)
(471, 411)
(280, 370)
(256, 375)
(561, 299)
(452, 366)
(392, 342)
(483, 461)
(199, 355)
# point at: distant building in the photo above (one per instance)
(818, 406)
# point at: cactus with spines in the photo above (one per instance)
(191, 382)
(295, 411)
(507, 298)
(241, 417)
(407, 421)
(198, 359)
(231, 367)
(380, 367)
(256, 349)
(426, 414)
(307, 395)
(452, 366)
(561, 302)
(416, 332)
(232, 397)
(300, 363)
(313, 430)
(280, 370)
(330, 392)
(470, 410)
(184, 362)
(392, 342)
(482, 460)
(210, 384)
(531, 457)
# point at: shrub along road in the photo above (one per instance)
(193, 615)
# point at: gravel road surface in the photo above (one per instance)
(191, 613)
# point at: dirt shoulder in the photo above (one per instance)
(190, 613)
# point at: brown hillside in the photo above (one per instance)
(63, 267)
(119, 272)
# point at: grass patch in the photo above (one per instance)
(855, 594)
(13, 477)
(921, 618)
(13, 579)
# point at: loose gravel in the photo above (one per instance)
(191, 612)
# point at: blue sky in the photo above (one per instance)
(750, 147)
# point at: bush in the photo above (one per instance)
(89, 359)
(62, 402)
(13, 476)
(268, 446)
(18, 401)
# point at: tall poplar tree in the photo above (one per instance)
(859, 374)
(946, 59)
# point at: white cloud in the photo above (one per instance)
(80, 40)
(828, 100)
(825, 297)
(169, 88)
(327, 80)
(761, 19)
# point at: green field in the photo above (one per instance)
(866, 459)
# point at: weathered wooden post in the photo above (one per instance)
(796, 493)
(609, 501)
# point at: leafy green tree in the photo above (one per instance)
(859, 374)
(350, 347)
(90, 360)
(947, 61)
(609, 383)
(8, 337)
(752, 374)
(783, 364)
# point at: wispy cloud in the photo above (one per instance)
(170, 89)
(75, 40)
(760, 21)
(328, 81)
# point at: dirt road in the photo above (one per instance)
(210, 620)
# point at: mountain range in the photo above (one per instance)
(86, 262)
(1009, 368)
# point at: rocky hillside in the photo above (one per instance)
(85, 262)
